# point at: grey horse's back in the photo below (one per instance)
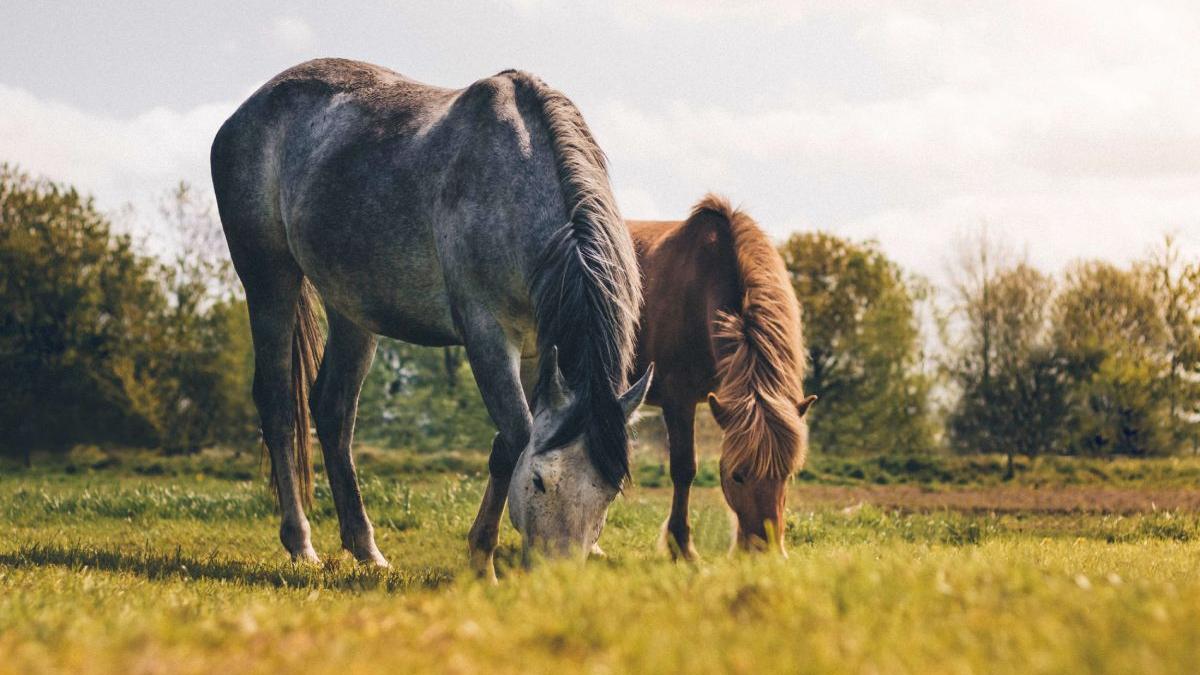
(370, 86)
(390, 104)
(251, 139)
(346, 169)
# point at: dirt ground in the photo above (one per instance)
(1058, 499)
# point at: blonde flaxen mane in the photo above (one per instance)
(761, 356)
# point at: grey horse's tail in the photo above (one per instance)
(586, 288)
(307, 346)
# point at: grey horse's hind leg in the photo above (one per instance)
(348, 356)
(496, 364)
(272, 304)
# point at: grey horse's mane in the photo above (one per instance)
(586, 288)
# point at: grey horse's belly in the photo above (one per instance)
(386, 278)
(416, 313)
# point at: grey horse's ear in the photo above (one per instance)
(633, 398)
(804, 405)
(551, 380)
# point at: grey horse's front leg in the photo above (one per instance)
(348, 357)
(495, 361)
(485, 531)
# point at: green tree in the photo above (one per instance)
(205, 356)
(1176, 285)
(864, 344)
(1011, 383)
(101, 344)
(77, 317)
(1110, 330)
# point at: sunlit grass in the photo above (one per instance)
(113, 571)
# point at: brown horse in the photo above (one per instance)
(721, 321)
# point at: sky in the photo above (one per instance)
(1069, 129)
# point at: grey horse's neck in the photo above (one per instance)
(586, 288)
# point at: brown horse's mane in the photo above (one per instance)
(760, 355)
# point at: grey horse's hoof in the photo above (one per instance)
(484, 567)
(306, 555)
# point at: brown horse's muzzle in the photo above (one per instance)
(758, 505)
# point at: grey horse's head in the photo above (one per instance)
(557, 499)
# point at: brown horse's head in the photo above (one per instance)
(755, 486)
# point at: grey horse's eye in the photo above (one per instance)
(538, 483)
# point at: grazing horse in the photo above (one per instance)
(721, 321)
(480, 217)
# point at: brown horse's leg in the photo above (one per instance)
(680, 420)
(348, 357)
(272, 304)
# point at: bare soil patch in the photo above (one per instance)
(1001, 499)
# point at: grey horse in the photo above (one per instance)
(480, 217)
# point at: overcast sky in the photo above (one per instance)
(1071, 128)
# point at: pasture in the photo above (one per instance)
(144, 564)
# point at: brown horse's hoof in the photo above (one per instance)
(677, 550)
(685, 553)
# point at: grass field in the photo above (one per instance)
(173, 566)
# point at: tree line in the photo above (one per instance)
(1104, 360)
(103, 343)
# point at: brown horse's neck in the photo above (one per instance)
(720, 315)
(689, 271)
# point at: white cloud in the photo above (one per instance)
(1071, 127)
(639, 204)
(121, 161)
(292, 32)
(644, 14)
(1072, 130)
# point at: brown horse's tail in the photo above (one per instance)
(307, 347)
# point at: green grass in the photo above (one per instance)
(178, 569)
(651, 469)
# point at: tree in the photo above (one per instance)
(1176, 287)
(205, 359)
(101, 344)
(1110, 330)
(1012, 384)
(864, 345)
(77, 313)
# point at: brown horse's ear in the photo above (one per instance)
(718, 411)
(804, 405)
